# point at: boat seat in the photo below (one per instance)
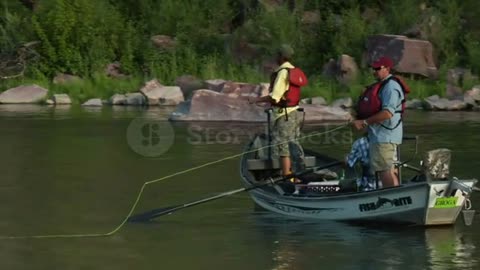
(266, 164)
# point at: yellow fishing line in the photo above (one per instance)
(132, 209)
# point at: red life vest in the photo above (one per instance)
(296, 79)
(369, 102)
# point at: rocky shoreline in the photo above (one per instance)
(220, 100)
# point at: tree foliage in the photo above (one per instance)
(82, 36)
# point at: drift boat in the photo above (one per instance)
(430, 197)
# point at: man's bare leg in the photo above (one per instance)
(286, 165)
(388, 178)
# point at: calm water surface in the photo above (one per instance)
(75, 171)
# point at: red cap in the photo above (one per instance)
(383, 61)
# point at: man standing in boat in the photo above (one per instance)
(380, 111)
(284, 98)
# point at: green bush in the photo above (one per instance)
(81, 37)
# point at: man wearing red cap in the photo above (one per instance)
(383, 122)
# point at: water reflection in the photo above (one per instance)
(301, 244)
(450, 249)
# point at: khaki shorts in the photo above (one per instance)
(382, 156)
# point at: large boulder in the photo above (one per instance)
(62, 99)
(411, 56)
(347, 69)
(93, 102)
(163, 95)
(238, 89)
(215, 84)
(24, 94)
(208, 105)
(319, 113)
(117, 99)
(135, 99)
(188, 84)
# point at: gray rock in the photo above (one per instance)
(474, 93)
(62, 99)
(318, 101)
(188, 84)
(215, 84)
(453, 91)
(49, 102)
(135, 99)
(94, 102)
(413, 104)
(118, 99)
(306, 101)
(347, 69)
(442, 104)
(24, 94)
(343, 103)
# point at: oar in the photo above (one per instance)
(144, 217)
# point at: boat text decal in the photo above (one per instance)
(446, 202)
(384, 203)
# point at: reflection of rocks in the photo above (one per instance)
(207, 105)
(24, 94)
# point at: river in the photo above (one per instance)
(73, 170)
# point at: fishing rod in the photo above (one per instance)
(147, 216)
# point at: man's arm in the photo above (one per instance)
(278, 89)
